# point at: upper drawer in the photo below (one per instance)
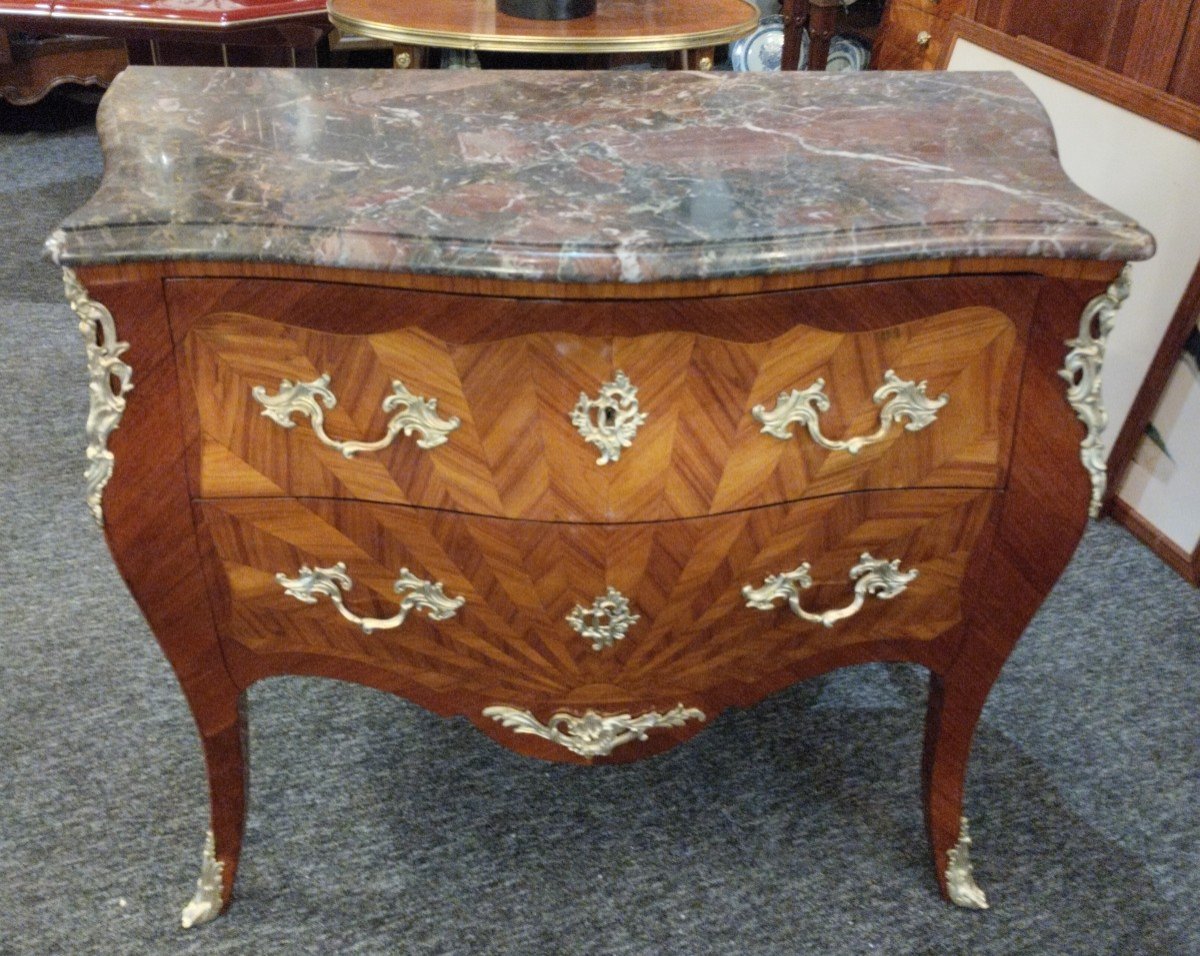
(911, 37)
(487, 420)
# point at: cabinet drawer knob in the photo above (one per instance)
(306, 398)
(900, 399)
(593, 734)
(419, 594)
(610, 421)
(873, 577)
(924, 37)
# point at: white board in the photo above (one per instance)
(1145, 170)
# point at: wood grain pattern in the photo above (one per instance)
(1043, 517)
(183, 269)
(1138, 39)
(616, 25)
(696, 641)
(34, 67)
(204, 572)
(153, 541)
(898, 44)
(517, 454)
(1185, 77)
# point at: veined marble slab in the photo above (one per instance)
(581, 176)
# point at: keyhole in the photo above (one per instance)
(609, 416)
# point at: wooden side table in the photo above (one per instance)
(692, 29)
(820, 16)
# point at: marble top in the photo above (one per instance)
(623, 176)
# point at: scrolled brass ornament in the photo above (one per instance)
(311, 399)
(593, 734)
(205, 905)
(109, 380)
(873, 577)
(1082, 371)
(419, 595)
(606, 621)
(899, 399)
(611, 420)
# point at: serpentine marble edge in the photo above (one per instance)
(581, 176)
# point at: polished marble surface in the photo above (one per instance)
(579, 176)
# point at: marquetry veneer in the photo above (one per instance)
(417, 404)
(513, 515)
(698, 370)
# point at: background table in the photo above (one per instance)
(694, 28)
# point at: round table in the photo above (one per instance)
(692, 27)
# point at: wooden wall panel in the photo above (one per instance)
(1155, 34)
(1152, 42)
(1185, 77)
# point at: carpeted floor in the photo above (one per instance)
(792, 828)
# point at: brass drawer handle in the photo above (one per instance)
(415, 414)
(874, 577)
(422, 595)
(900, 399)
(593, 734)
(611, 421)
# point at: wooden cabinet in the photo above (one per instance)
(913, 34)
(637, 398)
(862, 470)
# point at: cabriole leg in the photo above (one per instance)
(225, 759)
(949, 726)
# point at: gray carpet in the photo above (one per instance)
(792, 828)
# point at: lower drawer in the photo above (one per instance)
(465, 613)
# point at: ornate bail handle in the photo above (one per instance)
(873, 577)
(416, 414)
(421, 595)
(610, 421)
(903, 399)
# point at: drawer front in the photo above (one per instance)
(911, 37)
(598, 428)
(463, 613)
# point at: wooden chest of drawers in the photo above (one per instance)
(513, 513)
(589, 503)
(913, 34)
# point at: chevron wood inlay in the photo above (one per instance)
(510, 641)
(516, 453)
(755, 540)
(513, 515)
